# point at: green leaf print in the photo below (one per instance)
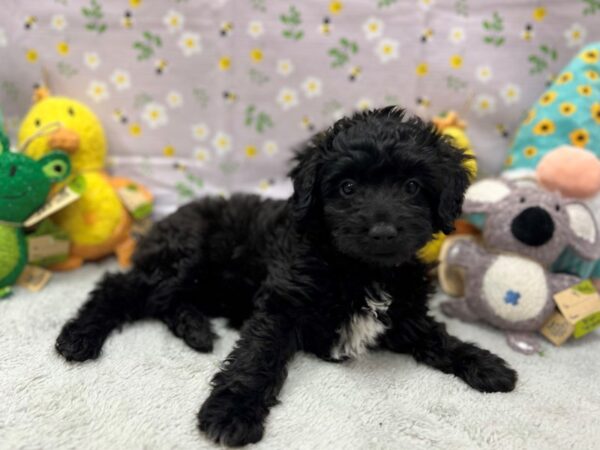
(592, 7)
(259, 120)
(539, 63)
(292, 21)
(330, 106)
(258, 77)
(455, 83)
(184, 191)
(141, 99)
(341, 55)
(147, 46)
(228, 167)
(94, 16)
(462, 8)
(66, 69)
(201, 96)
(195, 180)
(10, 90)
(385, 3)
(259, 5)
(494, 29)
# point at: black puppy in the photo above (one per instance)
(332, 271)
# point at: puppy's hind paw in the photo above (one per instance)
(486, 372)
(75, 344)
(230, 423)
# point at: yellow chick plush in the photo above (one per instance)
(97, 224)
(453, 127)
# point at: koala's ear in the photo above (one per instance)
(583, 230)
(305, 175)
(55, 165)
(484, 194)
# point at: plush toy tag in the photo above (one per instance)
(135, 201)
(578, 313)
(62, 198)
(34, 278)
(46, 247)
(557, 329)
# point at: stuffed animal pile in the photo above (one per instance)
(24, 189)
(98, 224)
(540, 221)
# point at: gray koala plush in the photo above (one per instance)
(506, 280)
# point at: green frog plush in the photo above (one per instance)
(24, 187)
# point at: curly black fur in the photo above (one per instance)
(328, 272)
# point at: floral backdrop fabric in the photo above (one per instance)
(209, 96)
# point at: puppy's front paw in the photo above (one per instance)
(229, 420)
(76, 344)
(485, 371)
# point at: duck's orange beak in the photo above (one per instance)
(64, 139)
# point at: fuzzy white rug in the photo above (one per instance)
(146, 388)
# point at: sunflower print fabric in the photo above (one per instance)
(202, 97)
(568, 113)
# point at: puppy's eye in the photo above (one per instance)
(348, 187)
(411, 187)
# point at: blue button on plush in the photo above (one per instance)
(512, 298)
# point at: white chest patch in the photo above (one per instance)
(364, 327)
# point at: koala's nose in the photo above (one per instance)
(383, 232)
(533, 226)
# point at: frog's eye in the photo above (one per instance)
(37, 123)
(71, 111)
(55, 166)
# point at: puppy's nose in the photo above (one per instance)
(533, 226)
(383, 232)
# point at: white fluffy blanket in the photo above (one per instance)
(146, 388)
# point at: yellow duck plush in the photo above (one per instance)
(452, 126)
(98, 224)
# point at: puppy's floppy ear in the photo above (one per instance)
(304, 176)
(455, 182)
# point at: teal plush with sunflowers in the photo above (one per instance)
(568, 113)
(24, 187)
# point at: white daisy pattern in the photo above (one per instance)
(575, 35)
(222, 142)
(189, 43)
(200, 131)
(285, 67)
(202, 155)
(387, 50)
(121, 79)
(484, 104)
(174, 21)
(312, 87)
(174, 99)
(510, 93)
(58, 22)
(97, 91)
(256, 29)
(287, 98)
(270, 148)
(373, 28)
(155, 115)
(91, 60)
(457, 35)
(483, 73)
